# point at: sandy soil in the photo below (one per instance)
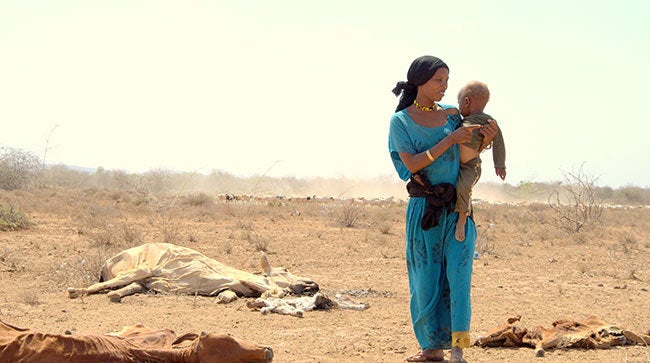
(527, 268)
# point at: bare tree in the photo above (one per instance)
(47, 144)
(575, 202)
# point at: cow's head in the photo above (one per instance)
(222, 348)
(286, 280)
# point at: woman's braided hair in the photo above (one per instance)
(420, 72)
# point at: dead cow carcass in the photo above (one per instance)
(135, 343)
(168, 268)
(592, 333)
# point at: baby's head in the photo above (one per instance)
(473, 97)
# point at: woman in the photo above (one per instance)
(423, 145)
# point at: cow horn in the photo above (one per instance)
(266, 266)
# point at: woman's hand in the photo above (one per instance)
(489, 131)
(463, 134)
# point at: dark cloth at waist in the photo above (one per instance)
(439, 197)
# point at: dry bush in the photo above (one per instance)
(171, 232)
(64, 177)
(113, 195)
(30, 297)
(105, 229)
(156, 181)
(627, 195)
(106, 237)
(116, 179)
(578, 206)
(198, 200)
(258, 242)
(348, 214)
(502, 228)
(12, 219)
(485, 242)
(382, 217)
(18, 169)
(131, 235)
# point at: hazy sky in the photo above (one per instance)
(303, 88)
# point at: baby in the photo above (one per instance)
(472, 99)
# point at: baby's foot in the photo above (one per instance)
(460, 228)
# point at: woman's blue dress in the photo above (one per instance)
(439, 267)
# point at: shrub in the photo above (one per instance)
(63, 176)
(349, 214)
(18, 168)
(632, 195)
(576, 206)
(198, 199)
(12, 219)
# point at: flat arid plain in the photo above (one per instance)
(531, 264)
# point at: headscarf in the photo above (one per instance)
(420, 72)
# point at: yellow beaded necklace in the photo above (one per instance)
(427, 109)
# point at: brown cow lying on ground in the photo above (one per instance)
(593, 333)
(132, 344)
(168, 268)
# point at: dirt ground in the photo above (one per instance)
(527, 267)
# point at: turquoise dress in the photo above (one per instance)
(439, 267)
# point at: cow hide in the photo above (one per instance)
(135, 343)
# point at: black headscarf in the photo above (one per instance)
(420, 72)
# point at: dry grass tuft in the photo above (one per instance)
(81, 271)
(30, 297)
(348, 214)
(10, 262)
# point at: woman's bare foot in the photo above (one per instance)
(427, 355)
(457, 355)
(460, 226)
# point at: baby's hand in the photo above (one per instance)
(501, 172)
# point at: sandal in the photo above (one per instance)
(421, 357)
